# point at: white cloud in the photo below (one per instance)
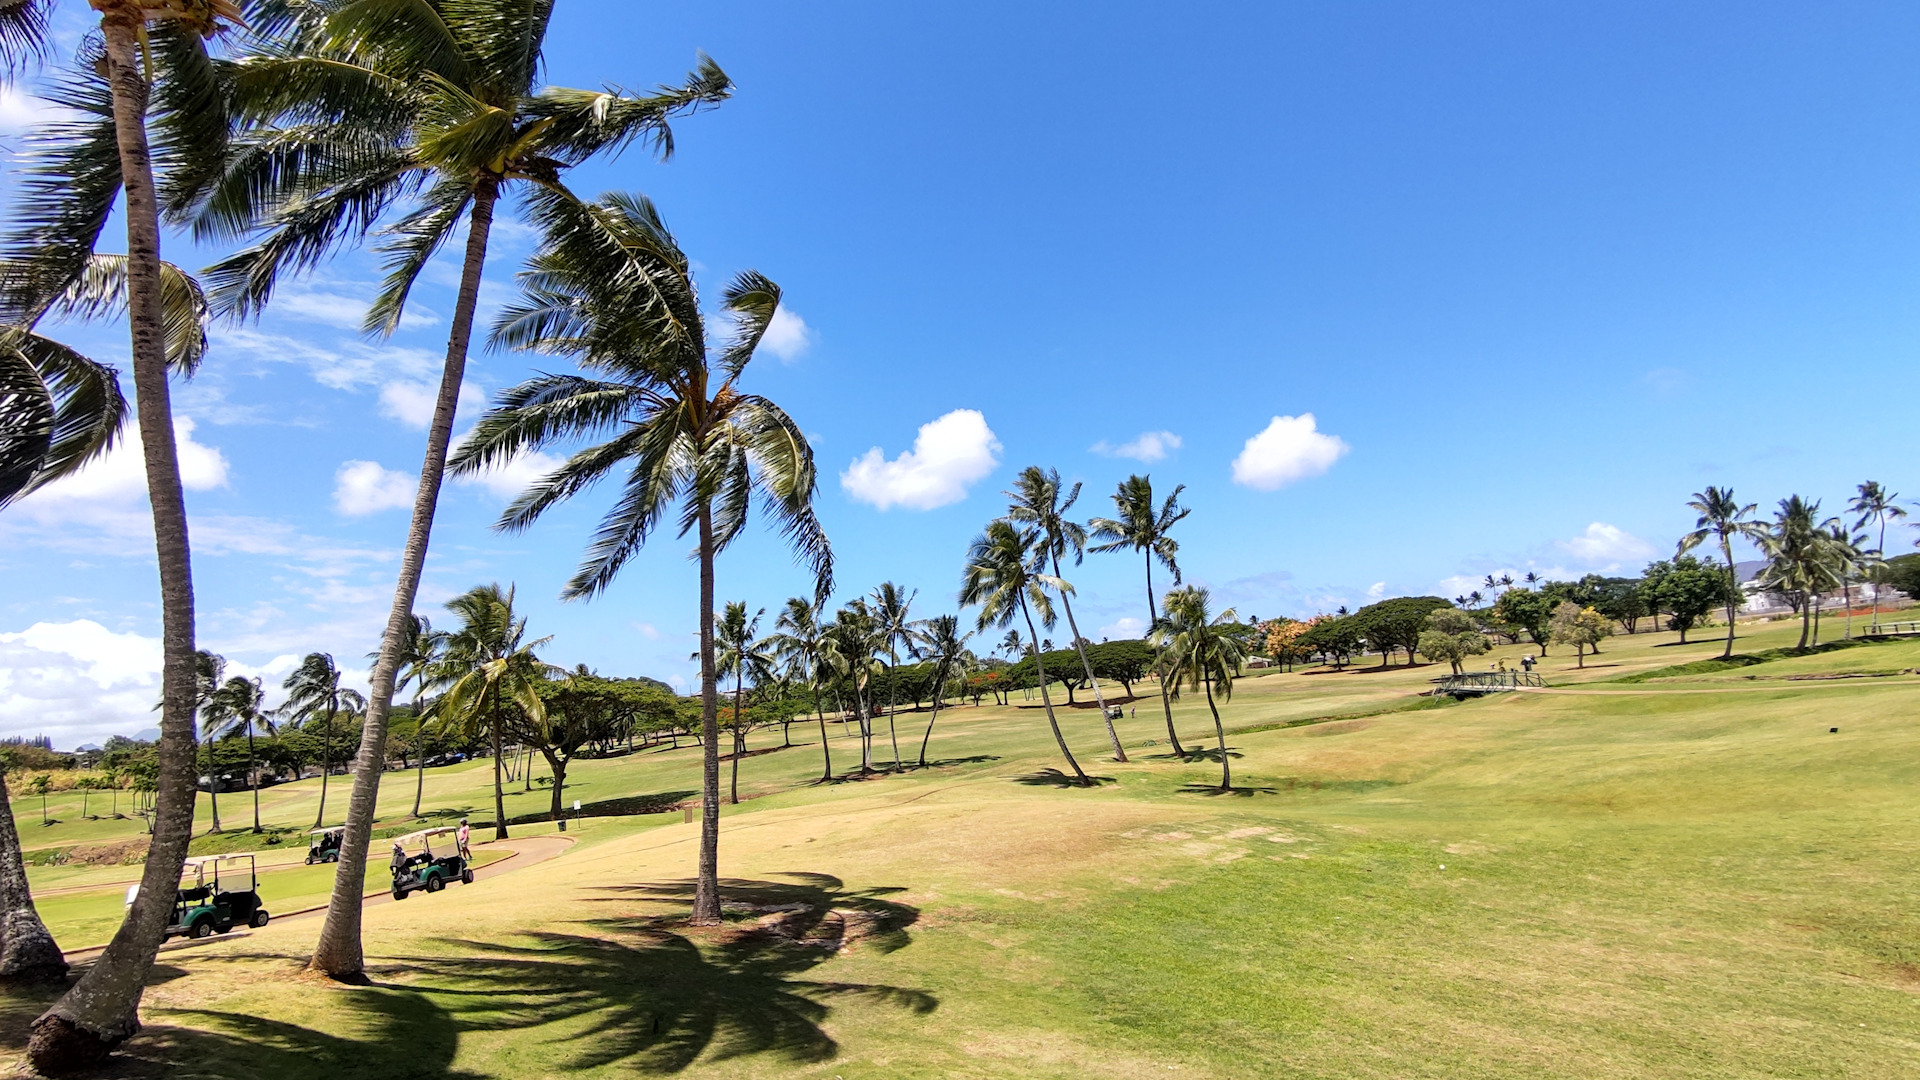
(367, 487)
(344, 312)
(1289, 449)
(948, 454)
(788, 335)
(346, 365)
(1124, 628)
(412, 403)
(77, 680)
(121, 475)
(22, 112)
(648, 630)
(1376, 590)
(1607, 546)
(1150, 446)
(509, 480)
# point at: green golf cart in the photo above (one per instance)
(417, 866)
(217, 893)
(323, 846)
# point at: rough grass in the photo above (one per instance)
(1685, 878)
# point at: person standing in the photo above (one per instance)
(461, 839)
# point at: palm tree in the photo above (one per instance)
(1205, 652)
(488, 663)
(364, 104)
(314, 696)
(741, 654)
(857, 640)
(891, 624)
(1006, 576)
(209, 669)
(1849, 557)
(237, 708)
(612, 289)
(81, 168)
(941, 641)
(422, 649)
(28, 953)
(1798, 562)
(1035, 502)
(811, 650)
(1723, 517)
(1139, 525)
(1876, 503)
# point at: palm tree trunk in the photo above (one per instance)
(338, 953)
(1226, 770)
(559, 770)
(253, 777)
(1806, 618)
(893, 697)
(1041, 672)
(1816, 619)
(213, 790)
(1733, 591)
(706, 894)
(1879, 574)
(1119, 753)
(826, 752)
(739, 745)
(326, 763)
(420, 749)
(28, 953)
(102, 1009)
(1166, 700)
(499, 793)
(940, 684)
(866, 729)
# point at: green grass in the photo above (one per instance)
(1684, 877)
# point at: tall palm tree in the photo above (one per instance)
(236, 708)
(421, 650)
(314, 696)
(812, 653)
(857, 639)
(1722, 517)
(1203, 650)
(489, 663)
(1005, 577)
(1036, 502)
(1140, 525)
(1798, 559)
(362, 105)
(891, 609)
(1849, 557)
(742, 655)
(209, 670)
(1878, 504)
(611, 288)
(79, 171)
(28, 953)
(941, 641)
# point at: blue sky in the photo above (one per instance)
(1401, 292)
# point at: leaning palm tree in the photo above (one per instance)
(362, 105)
(812, 654)
(1722, 517)
(611, 289)
(743, 655)
(488, 665)
(1203, 650)
(892, 624)
(941, 641)
(1005, 577)
(1143, 527)
(238, 707)
(1876, 503)
(315, 698)
(1036, 502)
(28, 953)
(148, 68)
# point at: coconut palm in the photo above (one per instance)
(1036, 502)
(1877, 504)
(488, 663)
(1799, 562)
(1203, 650)
(812, 654)
(939, 640)
(1850, 558)
(362, 105)
(28, 953)
(315, 698)
(209, 670)
(236, 708)
(1722, 517)
(1142, 526)
(742, 655)
(421, 650)
(1005, 576)
(857, 639)
(892, 625)
(611, 289)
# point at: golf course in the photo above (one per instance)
(1631, 872)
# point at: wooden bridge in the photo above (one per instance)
(1477, 683)
(1892, 629)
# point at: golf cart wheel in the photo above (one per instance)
(201, 929)
(435, 884)
(466, 876)
(259, 919)
(399, 893)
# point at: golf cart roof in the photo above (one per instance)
(325, 829)
(421, 836)
(209, 860)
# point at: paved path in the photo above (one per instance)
(530, 851)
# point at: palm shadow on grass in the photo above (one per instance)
(1216, 789)
(655, 996)
(1055, 778)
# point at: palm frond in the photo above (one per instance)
(23, 35)
(584, 123)
(413, 241)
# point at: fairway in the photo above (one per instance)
(1683, 876)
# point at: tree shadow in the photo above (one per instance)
(1211, 753)
(662, 802)
(1237, 789)
(948, 763)
(1055, 778)
(655, 995)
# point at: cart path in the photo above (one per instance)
(531, 851)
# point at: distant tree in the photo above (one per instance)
(940, 640)
(1451, 637)
(1396, 623)
(1877, 505)
(1200, 651)
(1581, 627)
(812, 654)
(1334, 637)
(1689, 589)
(1126, 661)
(315, 696)
(1619, 599)
(1528, 610)
(743, 655)
(1142, 525)
(238, 708)
(1798, 560)
(1723, 518)
(489, 665)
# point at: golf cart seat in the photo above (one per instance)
(194, 894)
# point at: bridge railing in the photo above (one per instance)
(1485, 682)
(1901, 628)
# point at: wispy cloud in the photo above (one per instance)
(1148, 446)
(367, 487)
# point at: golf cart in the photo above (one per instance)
(209, 902)
(323, 846)
(417, 866)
